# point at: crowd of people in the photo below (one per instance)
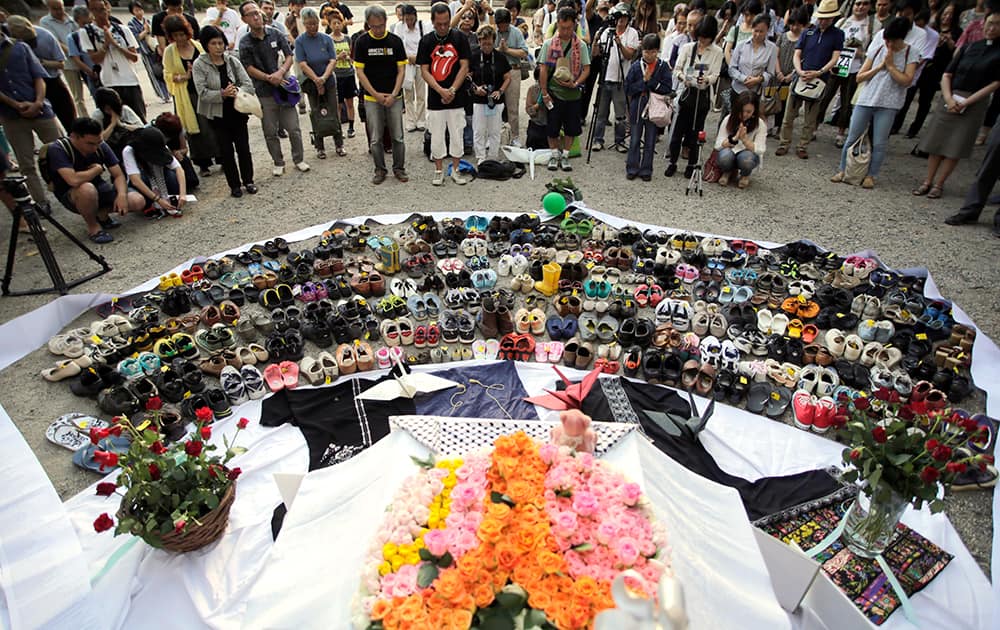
(458, 78)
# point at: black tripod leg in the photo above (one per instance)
(80, 244)
(11, 251)
(45, 251)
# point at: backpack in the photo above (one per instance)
(43, 159)
(500, 170)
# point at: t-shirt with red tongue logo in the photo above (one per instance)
(442, 56)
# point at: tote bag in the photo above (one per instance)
(809, 90)
(248, 103)
(659, 110)
(859, 157)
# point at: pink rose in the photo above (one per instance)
(472, 521)
(585, 460)
(606, 532)
(467, 541)
(436, 542)
(548, 453)
(464, 494)
(584, 503)
(631, 493)
(566, 523)
(627, 550)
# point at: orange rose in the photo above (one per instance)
(484, 595)
(497, 512)
(449, 585)
(539, 599)
(506, 555)
(391, 620)
(520, 491)
(550, 562)
(459, 620)
(490, 531)
(499, 578)
(586, 587)
(380, 609)
(524, 540)
(412, 610)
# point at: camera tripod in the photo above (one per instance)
(695, 183)
(32, 214)
(608, 33)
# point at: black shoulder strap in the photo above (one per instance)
(420, 23)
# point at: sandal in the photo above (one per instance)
(922, 189)
(935, 192)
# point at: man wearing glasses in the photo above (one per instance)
(259, 53)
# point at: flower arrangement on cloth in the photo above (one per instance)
(525, 535)
(904, 454)
(168, 490)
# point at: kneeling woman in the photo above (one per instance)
(742, 139)
(154, 173)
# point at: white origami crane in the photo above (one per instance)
(527, 156)
(406, 384)
(638, 613)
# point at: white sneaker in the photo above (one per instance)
(278, 171)
(302, 166)
(438, 178)
(515, 143)
(456, 177)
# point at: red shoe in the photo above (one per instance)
(804, 405)
(433, 335)
(823, 417)
(420, 337)
(289, 374)
(273, 376)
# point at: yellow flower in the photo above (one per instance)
(397, 561)
(385, 568)
(388, 550)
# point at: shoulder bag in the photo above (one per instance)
(710, 172)
(770, 100)
(859, 157)
(247, 103)
(809, 90)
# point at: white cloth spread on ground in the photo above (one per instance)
(44, 573)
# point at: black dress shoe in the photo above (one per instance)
(689, 171)
(236, 192)
(251, 188)
(671, 169)
(962, 217)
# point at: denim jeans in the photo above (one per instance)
(640, 158)
(880, 119)
(745, 161)
(378, 118)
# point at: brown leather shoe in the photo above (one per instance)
(361, 284)
(366, 356)
(229, 312)
(336, 266)
(584, 355)
(376, 284)
(213, 365)
(210, 315)
(706, 379)
(689, 374)
(347, 360)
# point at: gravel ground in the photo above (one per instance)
(788, 199)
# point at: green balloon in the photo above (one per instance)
(554, 203)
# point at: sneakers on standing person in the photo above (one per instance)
(438, 178)
(458, 178)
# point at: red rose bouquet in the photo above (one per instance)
(165, 490)
(903, 453)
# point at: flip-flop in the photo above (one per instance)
(71, 431)
(777, 401)
(758, 397)
(84, 458)
(975, 479)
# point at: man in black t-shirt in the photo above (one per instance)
(443, 57)
(171, 7)
(77, 165)
(380, 62)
